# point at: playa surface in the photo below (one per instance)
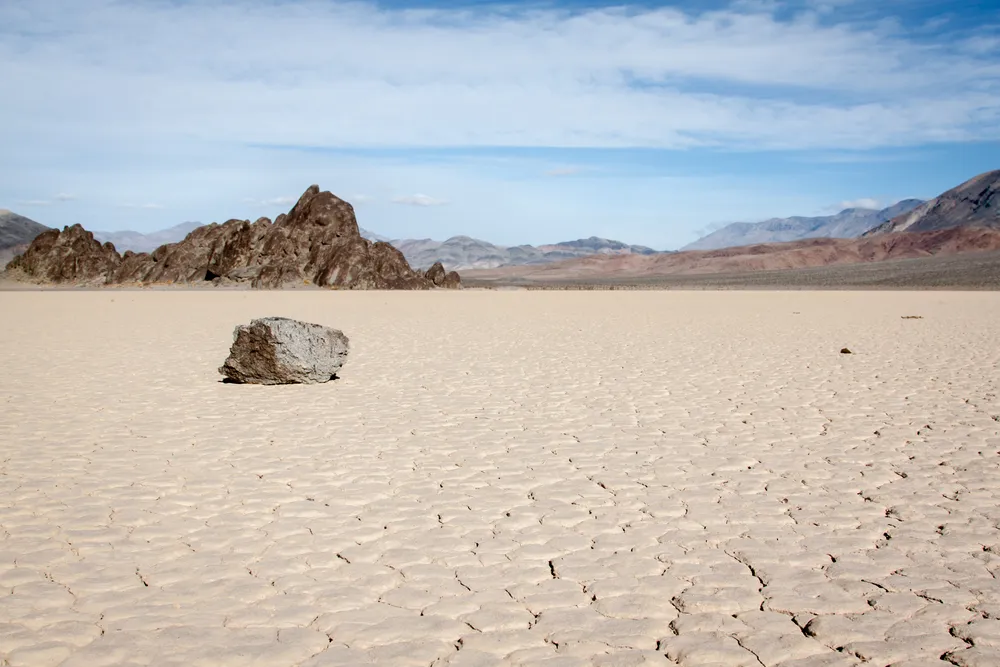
(515, 478)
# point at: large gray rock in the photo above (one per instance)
(278, 350)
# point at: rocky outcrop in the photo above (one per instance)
(441, 278)
(975, 203)
(317, 243)
(278, 350)
(69, 256)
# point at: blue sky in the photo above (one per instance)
(647, 122)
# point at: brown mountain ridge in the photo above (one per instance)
(802, 254)
(975, 203)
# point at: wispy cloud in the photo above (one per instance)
(864, 202)
(419, 200)
(149, 206)
(748, 76)
(56, 199)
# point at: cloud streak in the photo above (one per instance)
(419, 200)
(864, 202)
(739, 77)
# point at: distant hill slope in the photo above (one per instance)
(800, 254)
(139, 242)
(464, 252)
(849, 223)
(16, 232)
(372, 236)
(975, 203)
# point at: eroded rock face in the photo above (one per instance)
(68, 256)
(317, 243)
(278, 350)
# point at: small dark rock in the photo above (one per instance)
(844, 350)
(278, 350)
(441, 278)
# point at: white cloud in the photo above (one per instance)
(148, 207)
(355, 200)
(419, 200)
(61, 197)
(864, 202)
(737, 77)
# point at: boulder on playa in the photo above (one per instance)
(278, 350)
(441, 278)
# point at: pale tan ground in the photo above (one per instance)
(516, 478)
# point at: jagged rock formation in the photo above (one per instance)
(318, 242)
(279, 350)
(975, 203)
(69, 256)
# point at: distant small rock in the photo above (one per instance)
(279, 350)
(441, 278)
(844, 350)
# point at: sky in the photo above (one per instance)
(517, 122)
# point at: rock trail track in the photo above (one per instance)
(504, 478)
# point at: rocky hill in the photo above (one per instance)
(849, 223)
(464, 252)
(975, 203)
(16, 232)
(318, 242)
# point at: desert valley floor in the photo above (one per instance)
(504, 478)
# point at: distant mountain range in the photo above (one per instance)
(849, 223)
(139, 242)
(963, 219)
(975, 203)
(458, 252)
(16, 232)
(463, 252)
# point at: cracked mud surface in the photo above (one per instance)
(504, 478)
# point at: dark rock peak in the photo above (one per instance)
(318, 242)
